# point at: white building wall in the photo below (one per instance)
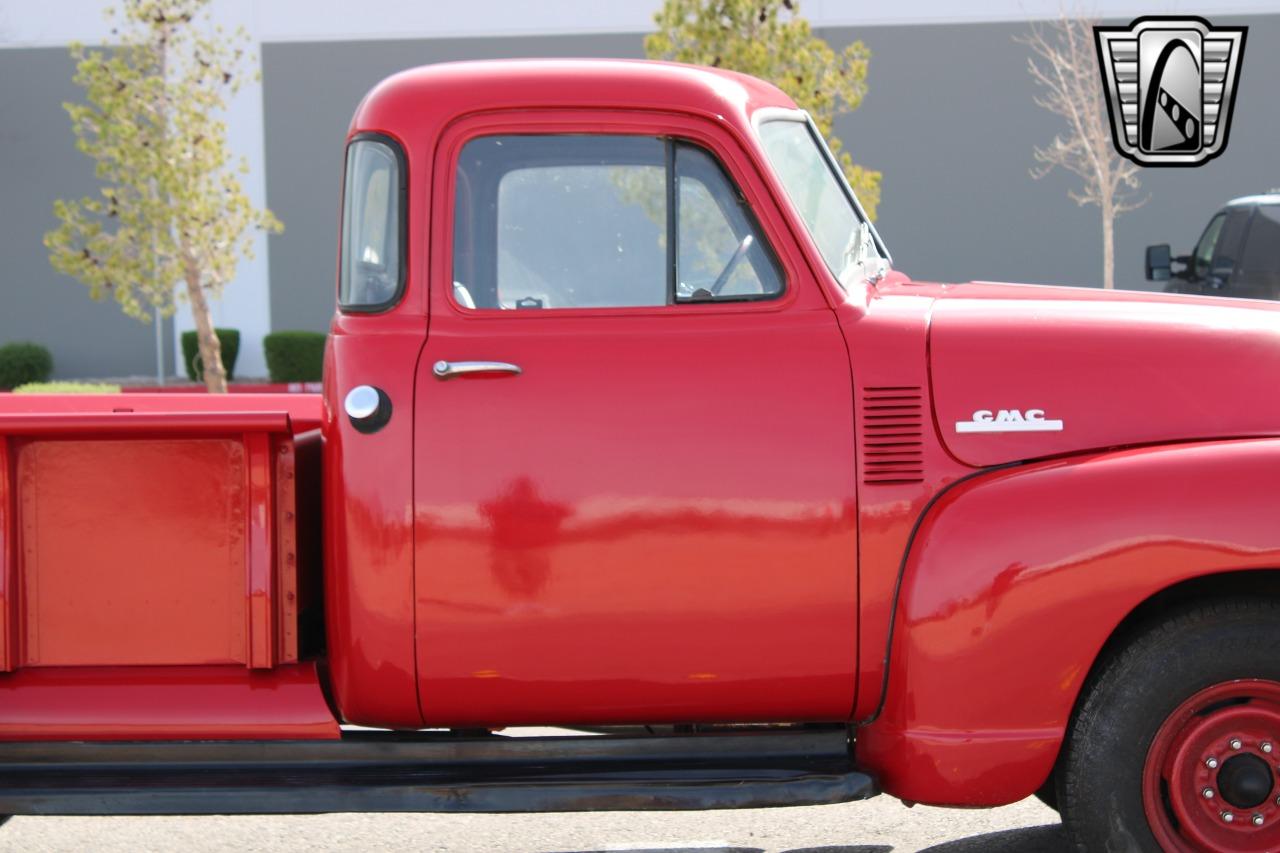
(27, 24)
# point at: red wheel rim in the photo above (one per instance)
(1211, 781)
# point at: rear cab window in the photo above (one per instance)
(371, 271)
(561, 221)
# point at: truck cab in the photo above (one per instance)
(630, 425)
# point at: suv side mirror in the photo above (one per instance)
(1158, 260)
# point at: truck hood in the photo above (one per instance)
(1023, 371)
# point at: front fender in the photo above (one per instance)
(1013, 585)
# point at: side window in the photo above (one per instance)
(721, 253)
(1208, 242)
(577, 221)
(371, 275)
(1262, 247)
(1230, 241)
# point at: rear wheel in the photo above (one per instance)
(1176, 745)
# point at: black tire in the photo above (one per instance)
(1130, 696)
(1048, 793)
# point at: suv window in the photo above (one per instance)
(1262, 247)
(1204, 249)
(1227, 250)
(576, 221)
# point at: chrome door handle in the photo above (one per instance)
(446, 369)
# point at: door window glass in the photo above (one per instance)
(721, 254)
(1227, 249)
(1204, 249)
(1262, 247)
(576, 221)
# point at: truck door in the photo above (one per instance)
(633, 450)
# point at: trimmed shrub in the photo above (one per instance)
(230, 340)
(294, 356)
(67, 388)
(23, 362)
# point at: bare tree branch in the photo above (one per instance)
(1064, 66)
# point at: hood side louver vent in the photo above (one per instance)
(892, 435)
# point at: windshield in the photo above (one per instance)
(819, 194)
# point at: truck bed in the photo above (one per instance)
(153, 541)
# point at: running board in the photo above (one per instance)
(389, 772)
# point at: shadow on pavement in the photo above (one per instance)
(845, 848)
(673, 850)
(1031, 839)
(839, 848)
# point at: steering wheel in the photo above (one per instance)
(738, 254)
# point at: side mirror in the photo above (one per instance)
(1158, 260)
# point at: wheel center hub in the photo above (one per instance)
(1245, 781)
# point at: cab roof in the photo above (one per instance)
(1272, 197)
(434, 95)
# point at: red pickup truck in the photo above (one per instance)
(628, 425)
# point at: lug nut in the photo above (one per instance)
(1228, 817)
(1208, 793)
(1211, 762)
(1257, 820)
(1266, 746)
(1235, 743)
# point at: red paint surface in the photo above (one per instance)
(103, 582)
(1244, 714)
(8, 560)
(1018, 580)
(368, 522)
(606, 536)
(303, 410)
(1117, 369)
(232, 388)
(147, 539)
(164, 703)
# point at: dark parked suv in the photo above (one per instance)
(1237, 255)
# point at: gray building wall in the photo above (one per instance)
(949, 120)
(310, 91)
(951, 123)
(40, 163)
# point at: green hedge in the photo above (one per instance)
(294, 356)
(67, 388)
(230, 340)
(22, 362)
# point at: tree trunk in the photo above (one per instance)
(1108, 246)
(215, 376)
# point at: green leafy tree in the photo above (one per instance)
(770, 40)
(171, 219)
